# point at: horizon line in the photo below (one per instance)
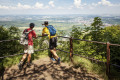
(57, 14)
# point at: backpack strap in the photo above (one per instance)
(28, 31)
(25, 31)
(48, 29)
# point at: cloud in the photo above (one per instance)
(77, 3)
(102, 3)
(23, 6)
(71, 7)
(38, 5)
(105, 3)
(18, 6)
(7, 7)
(51, 3)
(60, 8)
(94, 4)
(3, 7)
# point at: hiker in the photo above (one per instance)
(28, 48)
(50, 31)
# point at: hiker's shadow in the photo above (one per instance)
(57, 72)
(2, 73)
(32, 72)
(66, 73)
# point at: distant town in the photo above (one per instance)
(60, 22)
(10, 20)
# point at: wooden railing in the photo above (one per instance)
(107, 50)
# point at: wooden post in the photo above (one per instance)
(71, 49)
(108, 59)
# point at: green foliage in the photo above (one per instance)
(97, 33)
(12, 47)
(112, 35)
(61, 32)
(41, 43)
(9, 48)
(3, 33)
(90, 67)
(76, 32)
(83, 63)
(90, 33)
(14, 32)
(96, 25)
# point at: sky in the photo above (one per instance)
(43, 7)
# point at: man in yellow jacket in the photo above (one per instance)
(51, 32)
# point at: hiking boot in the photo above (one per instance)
(20, 65)
(58, 60)
(52, 58)
(28, 64)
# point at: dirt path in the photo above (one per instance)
(45, 69)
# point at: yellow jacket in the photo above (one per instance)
(46, 31)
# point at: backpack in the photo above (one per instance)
(24, 37)
(52, 30)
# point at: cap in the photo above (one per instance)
(32, 24)
(45, 22)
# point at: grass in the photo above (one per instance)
(94, 68)
(8, 62)
(85, 64)
(82, 62)
(40, 54)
